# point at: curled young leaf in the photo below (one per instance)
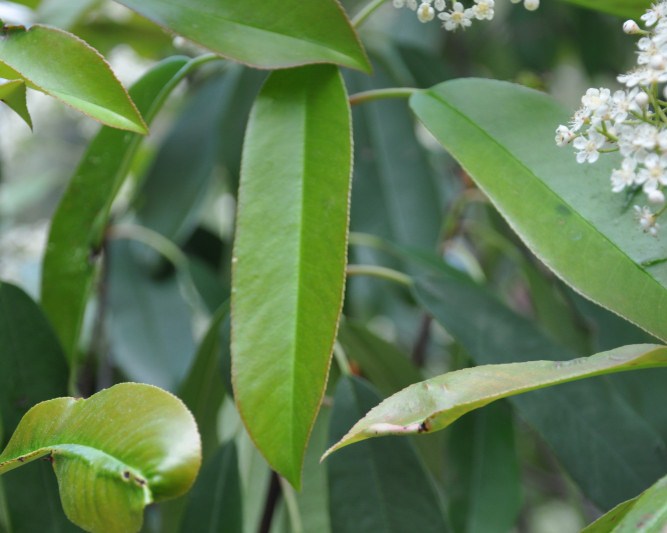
(113, 453)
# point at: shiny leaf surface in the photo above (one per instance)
(287, 292)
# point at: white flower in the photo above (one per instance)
(457, 17)
(647, 220)
(596, 100)
(625, 176)
(623, 103)
(412, 4)
(531, 5)
(425, 12)
(653, 174)
(588, 147)
(440, 5)
(483, 9)
(564, 135)
(655, 196)
(653, 15)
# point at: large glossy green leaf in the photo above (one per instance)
(262, 33)
(13, 93)
(620, 8)
(435, 403)
(287, 291)
(78, 226)
(484, 486)
(502, 134)
(65, 67)
(378, 485)
(113, 453)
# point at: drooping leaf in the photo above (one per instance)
(502, 135)
(262, 33)
(435, 403)
(215, 504)
(78, 226)
(484, 484)
(13, 93)
(61, 65)
(379, 485)
(620, 8)
(287, 292)
(113, 453)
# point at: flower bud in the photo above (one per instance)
(631, 27)
(425, 12)
(531, 5)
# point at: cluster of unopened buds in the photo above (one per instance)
(458, 16)
(632, 121)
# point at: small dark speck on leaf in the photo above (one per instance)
(424, 427)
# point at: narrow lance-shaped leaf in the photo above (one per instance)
(503, 136)
(113, 453)
(436, 403)
(263, 33)
(13, 93)
(65, 67)
(78, 225)
(289, 258)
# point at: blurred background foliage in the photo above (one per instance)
(493, 470)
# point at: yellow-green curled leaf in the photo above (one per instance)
(61, 65)
(12, 93)
(113, 453)
(436, 403)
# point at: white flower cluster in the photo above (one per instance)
(458, 16)
(632, 121)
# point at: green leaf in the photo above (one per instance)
(84, 81)
(215, 504)
(113, 453)
(485, 486)
(262, 33)
(203, 390)
(150, 323)
(502, 135)
(647, 513)
(378, 485)
(620, 8)
(435, 403)
(287, 292)
(621, 453)
(608, 521)
(33, 367)
(13, 93)
(78, 226)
